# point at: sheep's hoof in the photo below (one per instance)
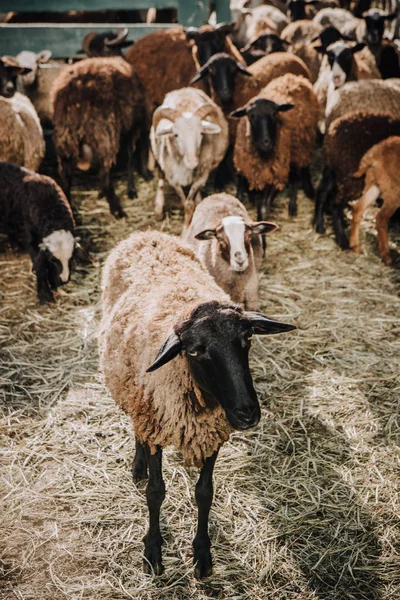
(47, 298)
(119, 213)
(203, 564)
(387, 259)
(147, 175)
(356, 249)
(139, 472)
(292, 211)
(158, 216)
(132, 194)
(319, 228)
(100, 195)
(152, 562)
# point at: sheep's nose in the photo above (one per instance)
(239, 258)
(9, 88)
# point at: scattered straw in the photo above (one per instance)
(306, 505)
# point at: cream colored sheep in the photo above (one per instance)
(228, 243)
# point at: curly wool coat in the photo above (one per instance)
(151, 284)
(96, 101)
(295, 135)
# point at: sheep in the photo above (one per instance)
(262, 19)
(167, 60)
(107, 43)
(369, 28)
(228, 243)
(21, 137)
(380, 168)
(270, 148)
(99, 105)
(266, 43)
(158, 301)
(37, 217)
(38, 83)
(346, 141)
(370, 95)
(341, 63)
(189, 138)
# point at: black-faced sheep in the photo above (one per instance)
(99, 106)
(174, 353)
(346, 141)
(380, 168)
(21, 135)
(228, 243)
(189, 138)
(273, 148)
(36, 216)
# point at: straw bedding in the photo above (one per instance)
(306, 505)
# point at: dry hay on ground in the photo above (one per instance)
(306, 505)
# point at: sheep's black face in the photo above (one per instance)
(54, 269)
(263, 116)
(222, 70)
(269, 42)
(216, 341)
(297, 10)
(8, 81)
(375, 27)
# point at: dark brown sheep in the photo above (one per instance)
(98, 106)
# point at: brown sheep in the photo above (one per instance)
(167, 60)
(299, 35)
(174, 353)
(346, 141)
(381, 168)
(271, 147)
(99, 105)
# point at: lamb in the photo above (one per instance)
(21, 139)
(369, 95)
(380, 167)
(346, 141)
(167, 60)
(271, 148)
(228, 243)
(98, 106)
(189, 138)
(38, 83)
(158, 301)
(37, 217)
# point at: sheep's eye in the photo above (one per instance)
(194, 353)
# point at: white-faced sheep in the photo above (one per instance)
(346, 141)
(380, 167)
(228, 243)
(36, 216)
(98, 107)
(21, 135)
(252, 22)
(189, 138)
(174, 353)
(273, 148)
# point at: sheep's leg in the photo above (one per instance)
(107, 190)
(339, 226)
(294, 185)
(190, 203)
(306, 183)
(44, 292)
(325, 194)
(155, 494)
(358, 210)
(160, 199)
(65, 173)
(204, 497)
(382, 219)
(243, 189)
(251, 301)
(132, 193)
(139, 466)
(144, 156)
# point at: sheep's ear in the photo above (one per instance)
(284, 107)
(82, 255)
(166, 129)
(263, 227)
(210, 128)
(207, 234)
(201, 73)
(43, 56)
(192, 33)
(390, 16)
(263, 325)
(243, 70)
(169, 350)
(238, 113)
(357, 48)
(321, 49)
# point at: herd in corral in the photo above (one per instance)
(245, 103)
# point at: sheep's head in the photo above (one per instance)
(216, 341)
(297, 8)
(58, 248)
(185, 130)
(341, 61)
(233, 237)
(209, 40)
(32, 60)
(264, 44)
(329, 36)
(375, 19)
(9, 71)
(107, 43)
(263, 116)
(222, 70)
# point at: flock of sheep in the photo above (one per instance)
(245, 102)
